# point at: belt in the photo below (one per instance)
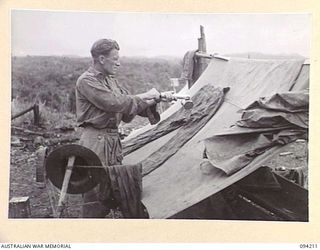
(104, 130)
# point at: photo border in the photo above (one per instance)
(124, 230)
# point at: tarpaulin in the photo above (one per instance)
(281, 109)
(288, 112)
(178, 183)
(302, 82)
(230, 153)
(290, 102)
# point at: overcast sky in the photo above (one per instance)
(154, 34)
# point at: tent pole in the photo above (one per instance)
(201, 62)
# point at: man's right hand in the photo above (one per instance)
(152, 94)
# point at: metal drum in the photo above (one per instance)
(83, 177)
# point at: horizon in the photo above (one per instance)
(170, 56)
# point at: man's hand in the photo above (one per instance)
(150, 102)
(167, 96)
(152, 94)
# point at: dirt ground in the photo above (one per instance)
(25, 158)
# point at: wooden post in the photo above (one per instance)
(65, 184)
(19, 207)
(36, 114)
(126, 183)
(52, 197)
(22, 113)
(209, 56)
(202, 46)
(200, 62)
(40, 167)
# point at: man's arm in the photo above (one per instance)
(147, 107)
(109, 101)
(150, 112)
(105, 99)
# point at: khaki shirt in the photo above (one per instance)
(102, 103)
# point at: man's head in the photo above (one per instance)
(105, 54)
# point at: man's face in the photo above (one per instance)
(110, 62)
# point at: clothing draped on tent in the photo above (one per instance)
(206, 102)
(209, 101)
(188, 66)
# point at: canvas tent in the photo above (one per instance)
(178, 183)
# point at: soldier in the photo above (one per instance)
(101, 104)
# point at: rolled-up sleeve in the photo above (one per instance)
(107, 100)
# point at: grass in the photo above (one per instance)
(49, 118)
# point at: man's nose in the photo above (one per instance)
(118, 64)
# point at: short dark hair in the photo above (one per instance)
(103, 47)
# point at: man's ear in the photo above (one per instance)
(101, 59)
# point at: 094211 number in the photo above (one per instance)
(308, 246)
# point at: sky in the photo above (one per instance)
(158, 34)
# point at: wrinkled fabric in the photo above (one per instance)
(209, 103)
(231, 153)
(290, 102)
(279, 110)
(206, 102)
(188, 65)
(258, 118)
(271, 121)
(164, 127)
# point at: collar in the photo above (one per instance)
(97, 73)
